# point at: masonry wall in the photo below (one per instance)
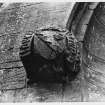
(15, 20)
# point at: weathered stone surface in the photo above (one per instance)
(29, 17)
(93, 54)
(18, 18)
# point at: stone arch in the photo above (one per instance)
(80, 17)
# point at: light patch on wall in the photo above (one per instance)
(4, 5)
(56, 4)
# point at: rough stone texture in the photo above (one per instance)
(94, 56)
(44, 93)
(15, 20)
(80, 17)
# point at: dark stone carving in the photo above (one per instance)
(50, 55)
